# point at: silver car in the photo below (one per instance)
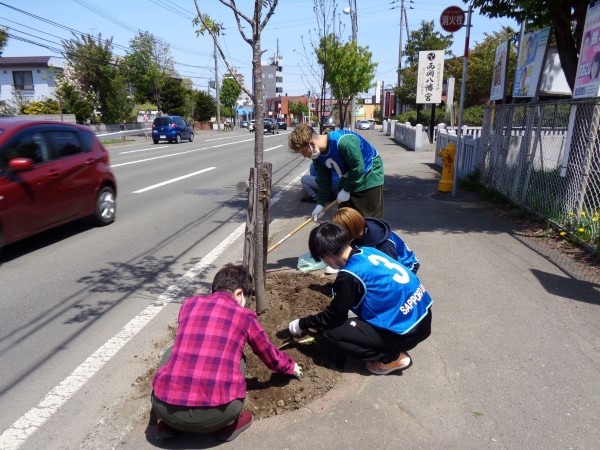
(363, 125)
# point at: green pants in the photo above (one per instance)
(196, 419)
(368, 202)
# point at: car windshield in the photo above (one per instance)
(162, 121)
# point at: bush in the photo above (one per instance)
(473, 116)
(48, 106)
(441, 116)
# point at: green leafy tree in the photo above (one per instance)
(93, 67)
(3, 39)
(298, 109)
(173, 98)
(480, 67)
(149, 67)
(348, 70)
(426, 38)
(566, 17)
(205, 106)
(230, 92)
(407, 92)
(74, 99)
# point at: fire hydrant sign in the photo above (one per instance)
(430, 76)
(452, 19)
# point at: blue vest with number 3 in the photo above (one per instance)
(394, 297)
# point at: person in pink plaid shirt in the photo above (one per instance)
(200, 386)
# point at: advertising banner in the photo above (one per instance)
(499, 75)
(587, 80)
(530, 62)
(430, 76)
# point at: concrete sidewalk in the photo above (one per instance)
(514, 357)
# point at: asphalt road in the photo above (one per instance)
(66, 292)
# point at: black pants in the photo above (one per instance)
(361, 340)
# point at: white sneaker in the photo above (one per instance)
(331, 270)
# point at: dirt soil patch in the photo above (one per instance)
(291, 295)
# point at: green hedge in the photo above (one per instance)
(471, 116)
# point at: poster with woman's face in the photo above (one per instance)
(498, 78)
(530, 62)
(587, 80)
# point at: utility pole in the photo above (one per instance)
(398, 112)
(218, 93)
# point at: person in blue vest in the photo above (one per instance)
(377, 233)
(379, 310)
(356, 162)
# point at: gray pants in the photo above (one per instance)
(196, 419)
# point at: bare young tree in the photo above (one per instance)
(257, 22)
(314, 73)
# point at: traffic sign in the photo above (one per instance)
(452, 19)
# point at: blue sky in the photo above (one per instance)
(46, 23)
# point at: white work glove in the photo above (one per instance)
(317, 212)
(297, 371)
(343, 196)
(294, 328)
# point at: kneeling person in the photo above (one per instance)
(379, 311)
(200, 386)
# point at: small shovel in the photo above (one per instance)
(306, 340)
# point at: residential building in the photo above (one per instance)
(28, 78)
(272, 77)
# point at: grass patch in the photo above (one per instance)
(115, 141)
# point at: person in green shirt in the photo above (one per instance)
(355, 161)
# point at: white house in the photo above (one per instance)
(33, 77)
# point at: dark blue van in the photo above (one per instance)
(172, 129)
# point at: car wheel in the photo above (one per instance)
(178, 139)
(155, 141)
(191, 137)
(105, 209)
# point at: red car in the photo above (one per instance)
(51, 173)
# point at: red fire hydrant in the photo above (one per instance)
(447, 155)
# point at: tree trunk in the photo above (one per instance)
(259, 237)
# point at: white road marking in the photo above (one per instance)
(17, 434)
(173, 180)
(272, 148)
(144, 149)
(112, 166)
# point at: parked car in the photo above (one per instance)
(363, 125)
(281, 124)
(171, 129)
(270, 125)
(328, 123)
(244, 124)
(51, 173)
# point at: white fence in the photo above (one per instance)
(409, 137)
(466, 156)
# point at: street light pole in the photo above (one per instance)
(352, 4)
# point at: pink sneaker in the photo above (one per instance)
(230, 432)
